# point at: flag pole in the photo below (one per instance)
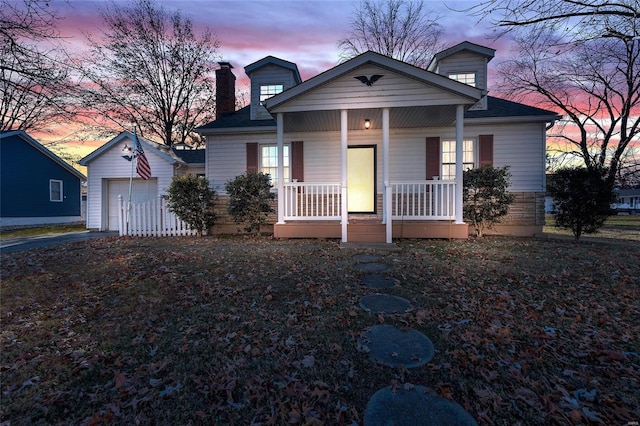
(133, 151)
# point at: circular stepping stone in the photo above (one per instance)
(378, 281)
(367, 258)
(414, 406)
(385, 304)
(393, 347)
(372, 267)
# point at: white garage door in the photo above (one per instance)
(141, 191)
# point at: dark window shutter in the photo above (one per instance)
(252, 157)
(485, 156)
(433, 157)
(297, 160)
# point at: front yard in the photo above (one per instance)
(240, 331)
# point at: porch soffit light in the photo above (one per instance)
(367, 123)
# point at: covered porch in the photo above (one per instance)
(416, 208)
(367, 103)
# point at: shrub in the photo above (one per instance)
(582, 199)
(485, 195)
(191, 199)
(250, 199)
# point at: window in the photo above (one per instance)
(269, 90)
(269, 162)
(464, 77)
(449, 158)
(55, 190)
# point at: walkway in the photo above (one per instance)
(410, 405)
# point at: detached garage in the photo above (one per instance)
(109, 170)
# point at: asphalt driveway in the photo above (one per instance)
(12, 245)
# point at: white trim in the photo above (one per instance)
(385, 177)
(459, 156)
(51, 181)
(344, 145)
(280, 145)
(472, 93)
(239, 130)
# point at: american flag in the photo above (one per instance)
(142, 164)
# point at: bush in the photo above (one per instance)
(191, 199)
(485, 196)
(250, 199)
(582, 199)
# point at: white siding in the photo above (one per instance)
(521, 146)
(268, 74)
(111, 165)
(465, 62)
(392, 90)
(227, 156)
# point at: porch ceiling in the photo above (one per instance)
(406, 117)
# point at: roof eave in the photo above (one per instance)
(98, 152)
(411, 71)
(513, 119)
(46, 151)
(237, 130)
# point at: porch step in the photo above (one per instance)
(366, 232)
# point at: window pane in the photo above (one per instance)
(269, 162)
(269, 90)
(466, 78)
(449, 157)
(55, 190)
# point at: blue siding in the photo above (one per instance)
(24, 182)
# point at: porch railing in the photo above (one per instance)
(424, 200)
(417, 200)
(312, 201)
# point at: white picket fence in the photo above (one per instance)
(150, 219)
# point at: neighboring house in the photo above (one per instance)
(628, 200)
(366, 151)
(36, 186)
(109, 171)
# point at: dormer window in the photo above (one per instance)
(464, 77)
(269, 90)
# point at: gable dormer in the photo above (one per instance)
(465, 62)
(269, 76)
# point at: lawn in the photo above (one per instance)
(241, 331)
(32, 231)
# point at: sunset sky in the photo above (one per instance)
(304, 32)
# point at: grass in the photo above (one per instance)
(619, 227)
(40, 230)
(240, 331)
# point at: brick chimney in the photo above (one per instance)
(225, 90)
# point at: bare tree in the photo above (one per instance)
(584, 19)
(34, 78)
(400, 29)
(151, 70)
(581, 58)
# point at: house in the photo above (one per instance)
(374, 148)
(628, 201)
(110, 172)
(36, 186)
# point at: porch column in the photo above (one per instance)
(343, 172)
(386, 197)
(459, 157)
(280, 141)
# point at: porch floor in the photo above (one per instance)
(372, 231)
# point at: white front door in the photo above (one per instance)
(361, 179)
(141, 191)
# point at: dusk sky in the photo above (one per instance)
(303, 32)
